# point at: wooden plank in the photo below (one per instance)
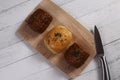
(99, 18)
(88, 21)
(52, 74)
(79, 8)
(114, 70)
(108, 14)
(102, 17)
(17, 14)
(95, 74)
(62, 2)
(111, 49)
(107, 20)
(25, 8)
(113, 57)
(9, 27)
(30, 67)
(36, 67)
(6, 4)
(85, 38)
(12, 54)
(8, 36)
(110, 32)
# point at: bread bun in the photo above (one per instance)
(75, 55)
(39, 20)
(58, 39)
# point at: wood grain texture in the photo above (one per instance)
(77, 8)
(85, 39)
(6, 5)
(17, 57)
(15, 14)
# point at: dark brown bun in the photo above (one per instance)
(75, 56)
(39, 20)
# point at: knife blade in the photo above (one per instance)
(98, 42)
(100, 54)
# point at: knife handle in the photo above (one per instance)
(105, 69)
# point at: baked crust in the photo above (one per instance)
(58, 39)
(39, 20)
(75, 56)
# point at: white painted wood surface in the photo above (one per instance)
(19, 61)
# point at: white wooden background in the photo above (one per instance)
(19, 61)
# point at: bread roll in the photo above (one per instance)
(39, 20)
(75, 55)
(58, 39)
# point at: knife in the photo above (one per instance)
(100, 54)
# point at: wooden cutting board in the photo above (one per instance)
(80, 35)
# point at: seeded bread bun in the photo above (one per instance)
(58, 39)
